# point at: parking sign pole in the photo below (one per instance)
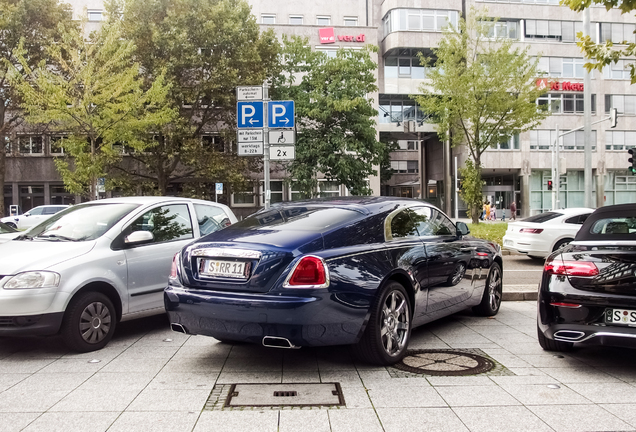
(266, 191)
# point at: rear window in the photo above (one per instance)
(606, 226)
(313, 219)
(542, 217)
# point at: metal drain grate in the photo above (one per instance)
(280, 395)
(444, 363)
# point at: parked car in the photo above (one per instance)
(32, 217)
(586, 294)
(7, 233)
(362, 271)
(540, 235)
(86, 268)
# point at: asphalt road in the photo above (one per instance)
(519, 270)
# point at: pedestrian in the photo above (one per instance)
(487, 210)
(513, 210)
(483, 212)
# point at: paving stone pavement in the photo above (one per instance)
(152, 379)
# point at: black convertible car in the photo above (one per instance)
(587, 294)
(359, 270)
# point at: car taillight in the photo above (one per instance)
(175, 263)
(571, 268)
(531, 230)
(309, 272)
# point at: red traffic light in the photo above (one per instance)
(549, 184)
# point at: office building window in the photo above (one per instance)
(276, 191)
(620, 140)
(405, 63)
(95, 15)
(418, 20)
(617, 33)
(323, 20)
(503, 29)
(56, 143)
(624, 104)
(350, 21)
(268, 19)
(245, 196)
(550, 30)
(404, 167)
(399, 108)
(296, 19)
(213, 141)
(59, 195)
(330, 52)
(408, 145)
(511, 143)
(7, 145)
(328, 189)
(544, 139)
(620, 187)
(619, 70)
(296, 194)
(562, 67)
(30, 144)
(565, 103)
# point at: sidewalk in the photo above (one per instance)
(152, 379)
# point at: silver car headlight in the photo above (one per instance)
(33, 279)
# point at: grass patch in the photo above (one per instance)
(493, 231)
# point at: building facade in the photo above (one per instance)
(423, 165)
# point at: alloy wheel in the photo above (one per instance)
(95, 322)
(395, 323)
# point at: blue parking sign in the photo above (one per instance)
(280, 114)
(249, 114)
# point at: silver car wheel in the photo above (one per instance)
(494, 288)
(395, 323)
(95, 322)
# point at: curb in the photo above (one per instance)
(519, 296)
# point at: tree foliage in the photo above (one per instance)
(334, 115)
(90, 90)
(603, 54)
(207, 48)
(482, 92)
(23, 20)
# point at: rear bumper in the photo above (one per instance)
(527, 246)
(318, 320)
(592, 335)
(31, 325)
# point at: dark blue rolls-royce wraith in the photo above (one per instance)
(361, 270)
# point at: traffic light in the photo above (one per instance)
(613, 117)
(632, 161)
(549, 184)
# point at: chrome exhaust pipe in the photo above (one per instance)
(568, 335)
(178, 328)
(278, 342)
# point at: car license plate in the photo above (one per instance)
(620, 316)
(508, 243)
(232, 269)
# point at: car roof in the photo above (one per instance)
(571, 210)
(146, 200)
(361, 204)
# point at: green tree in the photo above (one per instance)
(482, 92)
(602, 54)
(90, 89)
(334, 114)
(23, 20)
(207, 48)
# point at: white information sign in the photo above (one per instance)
(278, 152)
(250, 135)
(247, 93)
(250, 149)
(282, 136)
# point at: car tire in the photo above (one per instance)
(12, 225)
(388, 331)
(89, 322)
(491, 298)
(552, 345)
(561, 243)
(457, 275)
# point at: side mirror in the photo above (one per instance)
(139, 237)
(462, 229)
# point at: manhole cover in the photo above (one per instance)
(444, 363)
(293, 394)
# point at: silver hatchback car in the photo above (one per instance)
(92, 265)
